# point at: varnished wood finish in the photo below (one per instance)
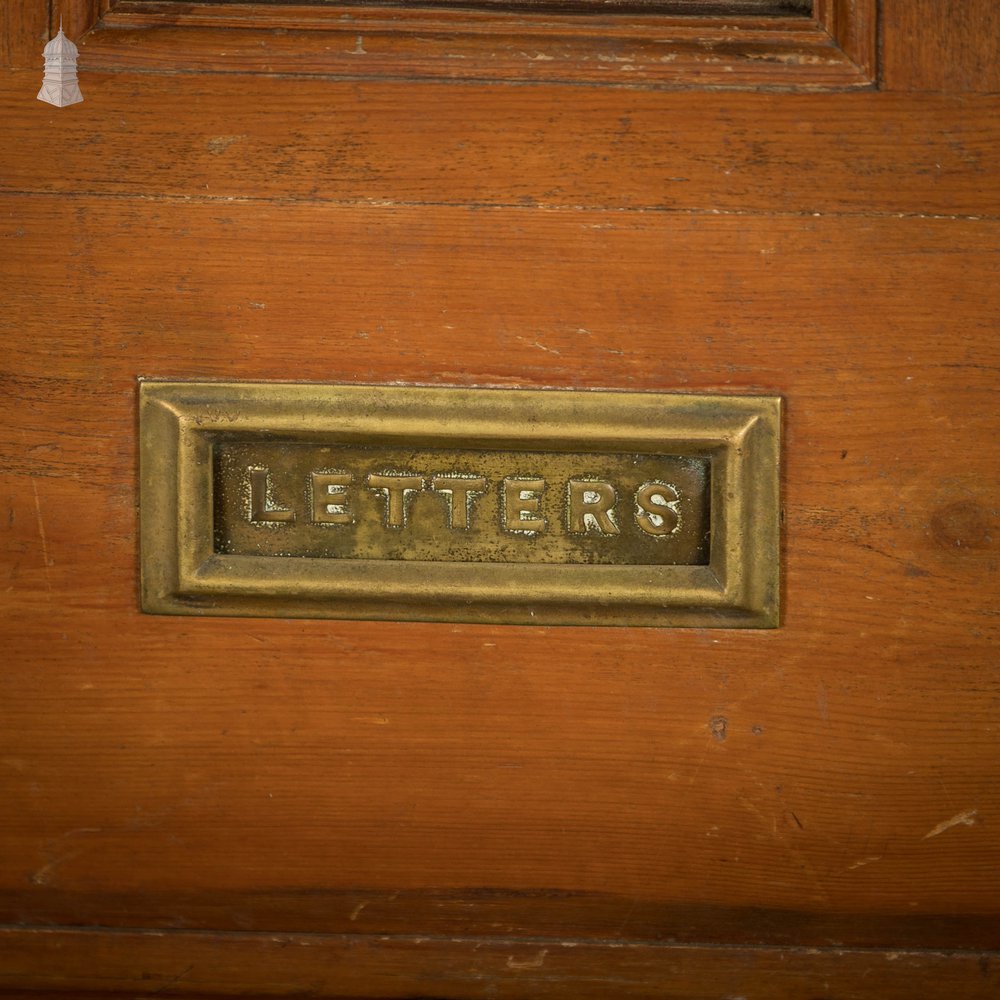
(178, 138)
(76, 16)
(212, 965)
(930, 45)
(390, 809)
(854, 28)
(835, 50)
(23, 33)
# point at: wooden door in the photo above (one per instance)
(204, 807)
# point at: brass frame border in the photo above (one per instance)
(181, 574)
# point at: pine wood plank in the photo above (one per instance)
(275, 761)
(302, 141)
(24, 28)
(192, 965)
(935, 46)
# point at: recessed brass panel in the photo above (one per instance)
(556, 507)
(467, 505)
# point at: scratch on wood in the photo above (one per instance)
(967, 818)
(44, 874)
(166, 986)
(220, 143)
(863, 862)
(540, 346)
(628, 916)
(531, 963)
(822, 703)
(41, 535)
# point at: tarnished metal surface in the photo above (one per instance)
(351, 502)
(459, 504)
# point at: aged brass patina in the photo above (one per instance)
(459, 504)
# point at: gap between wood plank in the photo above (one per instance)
(488, 206)
(530, 941)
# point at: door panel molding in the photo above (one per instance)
(835, 48)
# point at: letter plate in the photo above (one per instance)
(450, 504)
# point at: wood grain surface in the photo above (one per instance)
(198, 138)
(938, 46)
(373, 46)
(211, 965)
(604, 47)
(209, 807)
(77, 16)
(23, 34)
